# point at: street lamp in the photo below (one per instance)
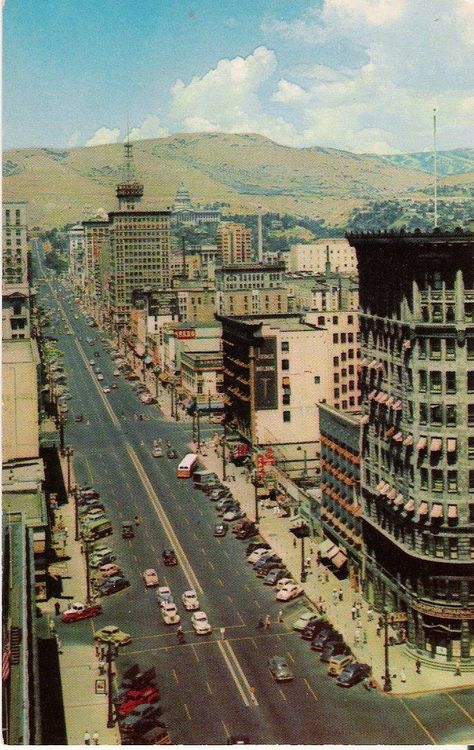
(110, 657)
(387, 684)
(76, 513)
(305, 461)
(224, 475)
(85, 541)
(301, 532)
(69, 453)
(255, 486)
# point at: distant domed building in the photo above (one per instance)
(184, 213)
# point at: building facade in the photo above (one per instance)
(417, 485)
(314, 256)
(251, 289)
(234, 243)
(14, 243)
(76, 238)
(185, 213)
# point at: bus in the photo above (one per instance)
(186, 466)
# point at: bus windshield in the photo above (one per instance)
(185, 468)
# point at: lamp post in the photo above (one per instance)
(76, 514)
(85, 541)
(387, 684)
(198, 428)
(301, 532)
(172, 398)
(69, 453)
(255, 487)
(176, 413)
(305, 461)
(111, 654)
(224, 475)
(157, 380)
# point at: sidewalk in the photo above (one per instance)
(83, 709)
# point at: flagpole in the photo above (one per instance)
(435, 164)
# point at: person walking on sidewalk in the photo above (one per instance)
(57, 609)
(418, 666)
(353, 611)
(334, 596)
(280, 616)
(341, 595)
(267, 622)
(370, 614)
(457, 669)
(87, 738)
(403, 677)
(95, 738)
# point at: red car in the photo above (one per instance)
(81, 611)
(137, 698)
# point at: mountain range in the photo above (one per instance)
(244, 171)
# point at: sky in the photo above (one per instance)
(357, 75)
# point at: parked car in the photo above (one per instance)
(95, 561)
(352, 674)
(257, 553)
(325, 635)
(109, 569)
(264, 569)
(220, 529)
(272, 578)
(313, 628)
(112, 585)
(247, 531)
(138, 698)
(224, 504)
(271, 558)
(219, 493)
(80, 611)
(283, 581)
(233, 514)
(240, 525)
(280, 669)
(333, 648)
(169, 557)
(150, 577)
(338, 663)
(138, 715)
(112, 634)
(290, 591)
(305, 616)
(200, 623)
(190, 600)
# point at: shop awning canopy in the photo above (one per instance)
(397, 405)
(164, 377)
(408, 440)
(398, 437)
(325, 547)
(452, 445)
(339, 560)
(435, 445)
(437, 510)
(399, 500)
(423, 509)
(421, 445)
(410, 506)
(452, 511)
(391, 494)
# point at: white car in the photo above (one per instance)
(165, 596)
(256, 555)
(116, 373)
(100, 376)
(190, 600)
(200, 623)
(283, 582)
(169, 614)
(91, 362)
(290, 591)
(106, 389)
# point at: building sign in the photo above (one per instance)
(266, 391)
(185, 333)
(269, 457)
(397, 617)
(449, 613)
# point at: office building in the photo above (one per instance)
(15, 282)
(314, 256)
(417, 478)
(250, 289)
(234, 244)
(76, 239)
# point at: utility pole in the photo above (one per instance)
(387, 684)
(69, 453)
(198, 428)
(435, 166)
(224, 476)
(110, 705)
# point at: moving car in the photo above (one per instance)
(172, 453)
(150, 577)
(157, 451)
(290, 591)
(80, 611)
(114, 386)
(169, 613)
(164, 595)
(279, 669)
(79, 418)
(116, 373)
(106, 389)
(112, 634)
(190, 600)
(305, 616)
(100, 376)
(352, 674)
(200, 623)
(109, 569)
(169, 557)
(127, 530)
(220, 529)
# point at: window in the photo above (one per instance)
(437, 313)
(470, 381)
(336, 377)
(470, 348)
(453, 548)
(335, 320)
(422, 380)
(435, 349)
(335, 338)
(424, 479)
(439, 546)
(452, 480)
(344, 404)
(351, 369)
(350, 338)
(285, 364)
(336, 392)
(470, 448)
(287, 416)
(450, 382)
(423, 413)
(286, 399)
(435, 381)
(335, 361)
(437, 484)
(470, 415)
(471, 512)
(471, 480)
(285, 346)
(321, 320)
(450, 349)
(422, 349)
(451, 415)
(469, 312)
(317, 379)
(436, 414)
(343, 338)
(350, 318)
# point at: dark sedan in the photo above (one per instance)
(272, 578)
(353, 674)
(169, 557)
(333, 648)
(313, 628)
(112, 585)
(328, 634)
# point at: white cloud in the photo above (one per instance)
(372, 12)
(103, 136)
(73, 139)
(288, 92)
(464, 12)
(151, 127)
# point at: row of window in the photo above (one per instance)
(342, 338)
(432, 348)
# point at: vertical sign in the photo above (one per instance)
(266, 390)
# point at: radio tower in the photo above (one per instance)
(129, 192)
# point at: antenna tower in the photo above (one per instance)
(129, 191)
(435, 169)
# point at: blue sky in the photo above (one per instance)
(360, 75)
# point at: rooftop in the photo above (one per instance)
(20, 351)
(284, 322)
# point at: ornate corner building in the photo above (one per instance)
(417, 469)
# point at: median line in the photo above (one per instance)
(233, 673)
(417, 720)
(310, 689)
(463, 710)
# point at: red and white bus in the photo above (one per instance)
(186, 467)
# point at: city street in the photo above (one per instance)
(212, 687)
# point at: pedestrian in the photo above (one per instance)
(326, 577)
(353, 611)
(280, 616)
(418, 666)
(380, 622)
(260, 623)
(357, 608)
(97, 649)
(95, 738)
(101, 666)
(222, 631)
(370, 614)
(58, 644)
(87, 738)
(457, 669)
(403, 676)
(341, 595)
(308, 562)
(57, 608)
(318, 558)
(378, 631)
(356, 636)
(294, 542)
(334, 596)
(364, 637)
(267, 622)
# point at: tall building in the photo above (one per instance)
(234, 243)
(76, 254)
(96, 243)
(251, 289)
(14, 243)
(314, 256)
(417, 479)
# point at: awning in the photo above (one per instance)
(452, 511)
(408, 440)
(373, 363)
(423, 509)
(399, 500)
(382, 397)
(332, 552)
(139, 350)
(384, 489)
(380, 485)
(164, 377)
(452, 445)
(325, 547)
(397, 405)
(421, 445)
(390, 432)
(390, 402)
(391, 494)
(435, 445)
(410, 506)
(364, 419)
(339, 560)
(364, 362)
(372, 394)
(379, 366)
(398, 437)
(437, 510)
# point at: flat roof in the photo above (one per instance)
(284, 322)
(20, 351)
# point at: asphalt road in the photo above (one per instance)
(207, 684)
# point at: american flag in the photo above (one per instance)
(6, 661)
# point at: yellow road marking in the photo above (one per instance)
(209, 688)
(230, 598)
(221, 581)
(186, 711)
(227, 733)
(290, 657)
(192, 645)
(203, 551)
(211, 565)
(282, 694)
(173, 672)
(420, 724)
(257, 604)
(466, 713)
(240, 618)
(310, 689)
(195, 653)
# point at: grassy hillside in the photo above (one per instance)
(245, 171)
(453, 162)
